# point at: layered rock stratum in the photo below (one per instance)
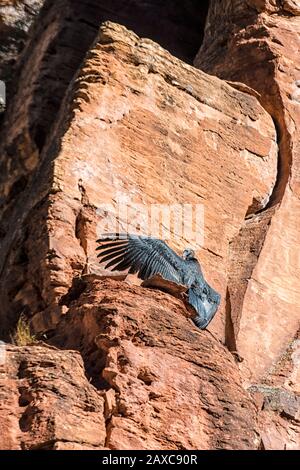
(101, 114)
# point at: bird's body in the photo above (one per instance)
(149, 256)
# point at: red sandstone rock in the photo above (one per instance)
(113, 128)
(279, 417)
(187, 121)
(265, 318)
(164, 384)
(169, 385)
(45, 399)
(278, 433)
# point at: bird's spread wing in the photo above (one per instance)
(143, 255)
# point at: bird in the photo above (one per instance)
(147, 256)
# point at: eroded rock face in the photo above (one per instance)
(266, 318)
(279, 419)
(130, 124)
(152, 380)
(168, 384)
(47, 402)
(187, 121)
(263, 294)
(48, 63)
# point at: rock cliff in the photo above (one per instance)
(199, 109)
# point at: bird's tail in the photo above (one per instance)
(205, 309)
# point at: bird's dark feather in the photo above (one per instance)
(148, 256)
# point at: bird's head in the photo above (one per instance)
(188, 253)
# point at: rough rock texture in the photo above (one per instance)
(164, 384)
(96, 120)
(49, 61)
(102, 159)
(58, 43)
(279, 420)
(16, 17)
(168, 385)
(47, 402)
(264, 276)
(262, 36)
